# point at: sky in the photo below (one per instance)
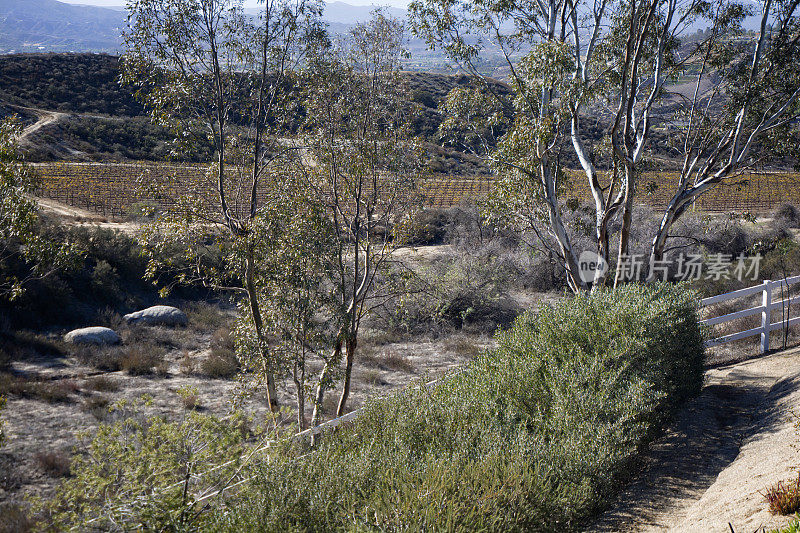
(250, 3)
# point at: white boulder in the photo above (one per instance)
(93, 335)
(158, 315)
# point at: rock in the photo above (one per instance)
(158, 315)
(93, 335)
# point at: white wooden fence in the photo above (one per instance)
(767, 290)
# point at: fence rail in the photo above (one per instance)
(766, 289)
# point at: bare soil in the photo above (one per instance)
(35, 426)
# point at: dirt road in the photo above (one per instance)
(711, 468)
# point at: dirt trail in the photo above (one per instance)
(711, 468)
(44, 118)
(75, 216)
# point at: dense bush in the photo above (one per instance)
(532, 436)
(787, 214)
(126, 479)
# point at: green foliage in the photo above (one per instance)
(110, 274)
(532, 436)
(138, 472)
(294, 249)
(792, 527)
(26, 253)
(77, 83)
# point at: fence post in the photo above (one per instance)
(766, 315)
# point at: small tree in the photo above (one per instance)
(565, 57)
(294, 266)
(364, 166)
(26, 252)
(220, 79)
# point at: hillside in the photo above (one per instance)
(53, 26)
(100, 120)
(71, 83)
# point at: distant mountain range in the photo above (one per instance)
(49, 25)
(53, 26)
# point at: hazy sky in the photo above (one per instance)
(252, 3)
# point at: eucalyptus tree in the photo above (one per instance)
(744, 106)
(566, 59)
(294, 265)
(363, 163)
(221, 79)
(526, 130)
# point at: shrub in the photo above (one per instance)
(395, 361)
(135, 473)
(222, 361)
(97, 406)
(55, 392)
(427, 227)
(205, 316)
(784, 497)
(105, 282)
(140, 359)
(190, 397)
(108, 358)
(373, 377)
(220, 366)
(791, 527)
(787, 214)
(102, 384)
(532, 436)
(54, 463)
(13, 517)
(188, 364)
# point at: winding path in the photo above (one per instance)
(44, 118)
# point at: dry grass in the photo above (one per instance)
(14, 518)
(387, 360)
(48, 391)
(102, 384)
(140, 360)
(108, 358)
(220, 366)
(462, 346)
(204, 316)
(97, 406)
(373, 377)
(222, 361)
(188, 363)
(54, 463)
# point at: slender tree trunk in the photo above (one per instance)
(299, 379)
(350, 352)
(625, 230)
(574, 280)
(258, 324)
(322, 386)
(603, 250)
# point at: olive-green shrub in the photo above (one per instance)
(534, 435)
